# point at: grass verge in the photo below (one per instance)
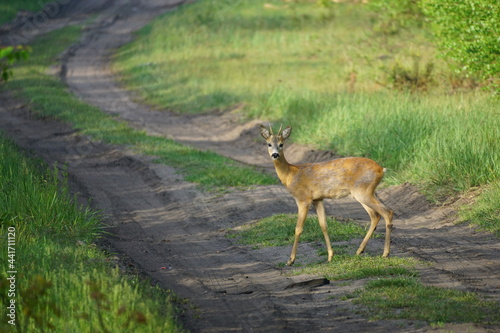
(53, 277)
(485, 211)
(50, 98)
(407, 298)
(334, 75)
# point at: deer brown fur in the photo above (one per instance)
(310, 183)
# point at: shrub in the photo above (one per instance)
(8, 56)
(467, 32)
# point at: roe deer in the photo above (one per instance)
(313, 182)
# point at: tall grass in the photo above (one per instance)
(63, 282)
(442, 142)
(213, 54)
(330, 73)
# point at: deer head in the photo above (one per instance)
(275, 142)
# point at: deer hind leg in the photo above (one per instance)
(375, 218)
(388, 214)
(320, 210)
(376, 209)
(302, 214)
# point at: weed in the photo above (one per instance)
(412, 79)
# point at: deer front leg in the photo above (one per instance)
(320, 210)
(302, 214)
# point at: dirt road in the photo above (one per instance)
(175, 233)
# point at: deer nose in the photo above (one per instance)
(275, 155)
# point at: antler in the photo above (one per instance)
(271, 129)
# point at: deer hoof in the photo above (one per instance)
(290, 262)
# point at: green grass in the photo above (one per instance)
(63, 282)
(8, 9)
(295, 64)
(278, 230)
(217, 53)
(351, 267)
(407, 298)
(485, 211)
(49, 97)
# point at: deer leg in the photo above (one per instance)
(320, 210)
(302, 214)
(388, 214)
(375, 218)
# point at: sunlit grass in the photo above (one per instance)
(407, 298)
(63, 281)
(352, 267)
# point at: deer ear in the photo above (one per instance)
(264, 132)
(286, 132)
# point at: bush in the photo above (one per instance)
(8, 56)
(467, 32)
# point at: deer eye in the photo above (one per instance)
(269, 145)
(281, 145)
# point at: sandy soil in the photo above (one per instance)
(174, 233)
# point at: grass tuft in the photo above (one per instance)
(279, 230)
(350, 267)
(406, 298)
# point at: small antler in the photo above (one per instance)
(271, 129)
(279, 132)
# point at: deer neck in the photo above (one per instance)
(284, 170)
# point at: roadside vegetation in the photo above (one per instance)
(62, 281)
(49, 98)
(363, 80)
(407, 298)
